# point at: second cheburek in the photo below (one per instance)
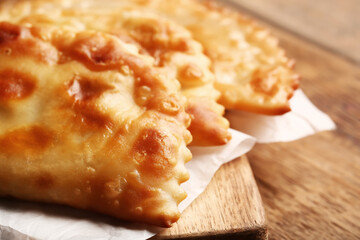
(75, 128)
(252, 72)
(174, 51)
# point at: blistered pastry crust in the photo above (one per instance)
(262, 79)
(252, 71)
(77, 127)
(171, 45)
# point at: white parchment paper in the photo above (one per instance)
(303, 120)
(20, 220)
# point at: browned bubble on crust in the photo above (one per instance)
(97, 52)
(88, 116)
(157, 38)
(267, 86)
(100, 53)
(154, 151)
(83, 93)
(190, 73)
(16, 85)
(84, 89)
(18, 41)
(29, 141)
(10, 32)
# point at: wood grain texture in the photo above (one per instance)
(229, 208)
(334, 24)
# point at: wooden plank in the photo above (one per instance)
(334, 24)
(310, 188)
(229, 208)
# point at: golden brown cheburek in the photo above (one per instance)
(252, 71)
(170, 44)
(88, 122)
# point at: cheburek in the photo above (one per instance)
(88, 122)
(252, 71)
(171, 45)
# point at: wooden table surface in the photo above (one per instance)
(311, 187)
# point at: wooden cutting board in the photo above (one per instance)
(229, 208)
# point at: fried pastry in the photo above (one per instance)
(252, 71)
(87, 121)
(170, 44)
